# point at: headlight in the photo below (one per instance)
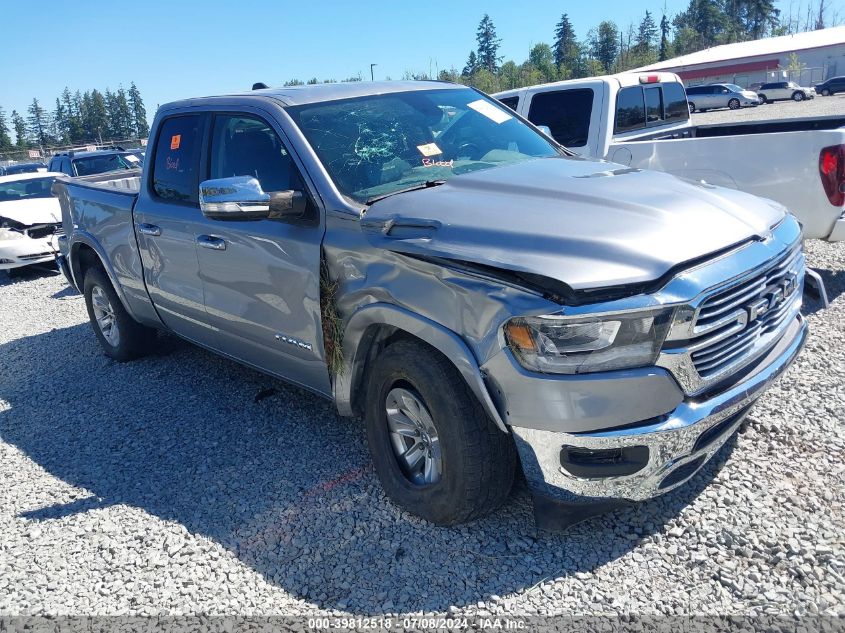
(577, 345)
(9, 234)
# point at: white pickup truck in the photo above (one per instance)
(643, 121)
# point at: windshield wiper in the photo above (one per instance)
(423, 185)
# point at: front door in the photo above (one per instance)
(262, 277)
(167, 219)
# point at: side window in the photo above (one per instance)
(247, 146)
(511, 102)
(566, 113)
(654, 105)
(177, 159)
(630, 109)
(675, 102)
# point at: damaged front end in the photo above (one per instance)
(25, 244)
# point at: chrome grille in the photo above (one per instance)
(734, 324)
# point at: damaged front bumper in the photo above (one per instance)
(577, 475)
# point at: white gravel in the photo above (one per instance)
(184, 484)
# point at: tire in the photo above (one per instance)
(826, 92)
(691, 107)
(798, 96)
(476, 460)
(121, 337)
(734, 104)
(763, 100)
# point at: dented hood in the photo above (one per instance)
(32, 211)
(586, 223)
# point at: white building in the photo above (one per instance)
(821, 53)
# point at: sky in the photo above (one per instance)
(174, 49)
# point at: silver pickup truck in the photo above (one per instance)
(429, 260)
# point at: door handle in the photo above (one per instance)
(214, 243)
(149, 229)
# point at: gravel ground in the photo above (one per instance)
(186, 484)
(820, 106)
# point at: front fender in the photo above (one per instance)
(444, 340)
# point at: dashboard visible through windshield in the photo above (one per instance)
(377, 145)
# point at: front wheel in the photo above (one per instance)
(763, 99)
(733, 104)
(121, 337)
(825, 92)
(798, 96)
(691, 107)
(437, 453)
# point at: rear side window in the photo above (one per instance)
(675, 102)
(630, 109)
(511, 102)
(696, 90)
(176, 159)
(566, 113)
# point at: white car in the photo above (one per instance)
(30, 219)
(782, 90)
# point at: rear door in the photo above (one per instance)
(262, 277)
(167, 220)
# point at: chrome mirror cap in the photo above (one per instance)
(234, 197)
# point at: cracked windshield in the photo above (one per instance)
(379, 145)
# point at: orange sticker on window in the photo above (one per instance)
(175, 140)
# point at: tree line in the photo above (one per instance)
(609, 48)
(78, 118)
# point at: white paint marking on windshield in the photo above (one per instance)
(490, 111)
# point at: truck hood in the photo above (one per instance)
(586, 223)
(32, 211)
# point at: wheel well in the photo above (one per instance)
(84, 258)
(375, 339)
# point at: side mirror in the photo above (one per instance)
(235, 198)
(242, 198)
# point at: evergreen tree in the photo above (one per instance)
(38, 124)
(605, 45)
(5, 138)
(471, 66)
(488, 45)
(565, 46)
(644, 52)
(703, 24)
(140, 127)
(98, 120)
(665, 46)
(19, 125)
(60, 123)
(119, 114)
(73, 122)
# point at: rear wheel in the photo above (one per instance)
(797, 96)
(120, 336)
(436, 452)
(733, 104)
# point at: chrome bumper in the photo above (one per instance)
(678, 444)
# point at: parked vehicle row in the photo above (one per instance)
(425, 257)
(642, 121)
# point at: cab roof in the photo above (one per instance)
(317, 93)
